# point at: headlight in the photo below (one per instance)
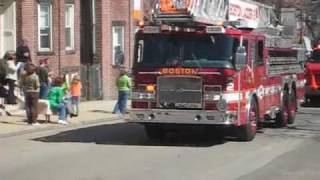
(222, 105)
(142, 96)
(212, 92)
(211, 96)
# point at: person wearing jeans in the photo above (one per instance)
(62, 111)
(124, 87)
(55, 97)
(42, 72)
(123, 101)
(75, 90)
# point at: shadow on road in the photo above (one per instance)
(314, 102)
(129, 134)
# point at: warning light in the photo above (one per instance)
(317, 47)
(141, 24)
(151, 88)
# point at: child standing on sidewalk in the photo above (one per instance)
(30, 85)
(75, 89)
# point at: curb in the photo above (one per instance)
(53, 127)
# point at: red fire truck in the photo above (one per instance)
(191, 70)
(312, 72)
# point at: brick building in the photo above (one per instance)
(51, 26)
(106, 44)
(93, 37)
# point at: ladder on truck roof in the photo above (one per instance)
(214, 12)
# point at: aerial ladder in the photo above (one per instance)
(215, 12)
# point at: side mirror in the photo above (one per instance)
(241, 57)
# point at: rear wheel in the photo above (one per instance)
(292, 107)
(154, 131)
(282, 117)
(248, 132)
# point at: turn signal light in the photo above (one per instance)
(150, 88)
(141, 24)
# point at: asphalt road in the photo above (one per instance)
(122, 152)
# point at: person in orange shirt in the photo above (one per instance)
(75, 90)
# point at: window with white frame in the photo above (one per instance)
(69, 26)
(45, 26)
(118, 45)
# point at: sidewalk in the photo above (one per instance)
(90, 112)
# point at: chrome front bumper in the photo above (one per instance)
(181, 116)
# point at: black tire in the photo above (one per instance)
(154, 131)
(283, 115)
(248, 131)
(293, 106)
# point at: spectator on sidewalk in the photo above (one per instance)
(75, 89)
(67, 94)
(3, 70)
(30, 84)
(55, 97)
(11, 76)
(23, 55)
(124, 87)
(3, 74)
(42, 72)
(118, 56)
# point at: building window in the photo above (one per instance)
(118, 45)
(69, 26)
(45, 26)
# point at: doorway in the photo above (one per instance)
(7, 26)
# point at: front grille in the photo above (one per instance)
(179, 92)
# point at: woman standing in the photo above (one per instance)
(42, 72)
(11, 76)
(23, 55)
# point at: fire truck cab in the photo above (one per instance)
(312, 72)
(213, 75)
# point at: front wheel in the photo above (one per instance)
(248, 131)
(282, 117)
(292, 107)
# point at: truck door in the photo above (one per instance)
(259, 71)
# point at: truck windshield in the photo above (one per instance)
(315, 56)
(185, 51)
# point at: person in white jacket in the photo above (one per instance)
(11, 76)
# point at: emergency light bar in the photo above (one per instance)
(158, 29)
(151, 29)
(215, 30)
